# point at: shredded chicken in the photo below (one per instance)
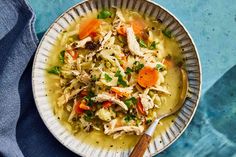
(118, 21)
(133, 43)
(105, 39)
(146, 101)
(66, 97)
(161, 89)
(108, 97)
(110, 128)
(81, 43)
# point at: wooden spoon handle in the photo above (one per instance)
(141, 146)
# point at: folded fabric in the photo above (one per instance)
(17, 44)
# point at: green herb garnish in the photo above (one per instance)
(88, 98)
(166, 32)
(160, 67)
(137, 66)
(108, 78)
(153, 46)
(142, 43)
(89, 115)
(130, 102)
(62, 56)
(104, 14)
(129, 117)
(148, 121)
(55, 70)
(128, 71)
(120, 79)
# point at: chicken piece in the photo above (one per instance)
(110, 128)
(72, 113)
(161, 89)
(84, 78)
(118, 21)
(87, 126)
(68, 96)
(105, 114)
(147, 102)
(108, 97)
(113, 60)
(81, 43)
(122, 91)
(133, 43)
(105, 39)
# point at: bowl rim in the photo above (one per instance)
(156, 5)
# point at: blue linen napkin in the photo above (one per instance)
(17, 44)
(210, 134)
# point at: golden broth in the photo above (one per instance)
(98, 138)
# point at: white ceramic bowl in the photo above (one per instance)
(148, 8)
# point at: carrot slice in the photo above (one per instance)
(138, 26)
(122, 30)
(78, 110)
(147, 77)
(84, 106)
(87, 27)
(73, 54)
(119, 93)
(140, 107)
(106, 104)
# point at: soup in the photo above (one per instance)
(111, 74)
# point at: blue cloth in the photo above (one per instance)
(212, 132)
(17, 45)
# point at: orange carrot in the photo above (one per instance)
(138, 26)
(87, 27)
(106, 104)
(121, 30)
(140, 107)
(119, 93)
(73, 54)
(147, 77)
(84, 106)
(78, 110)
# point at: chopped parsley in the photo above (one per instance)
(88, 98)
(120, 79)
(55, 70)
(153, 45)
(62, 56)
(104, 14)
(130, 102)
(129, 117)
(166, 32)
(108, 78)
(137, 66)
(128, 71)
(148, 121)
(89, 115)
(142, 43)
(160, 67)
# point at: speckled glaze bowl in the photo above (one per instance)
(146, 8)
